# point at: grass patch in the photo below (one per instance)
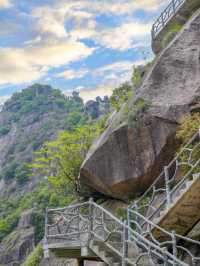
(171, 33)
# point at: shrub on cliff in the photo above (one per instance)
(35, 257)
(121, 95)
(189, 126)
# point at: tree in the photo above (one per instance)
(60, 160)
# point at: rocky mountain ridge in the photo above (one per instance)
(27, 120)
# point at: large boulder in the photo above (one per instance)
(140, 140)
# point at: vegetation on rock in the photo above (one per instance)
(171, 33)
(60, 160)
(35, 116)
(35, 257)
(121, 95)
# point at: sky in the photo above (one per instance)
(86, 45)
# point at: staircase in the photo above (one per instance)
(170, 208)
(173, 200)
(156, 226)
(87, 230)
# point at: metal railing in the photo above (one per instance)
(87, 222)
(171, 182)
(166, 16)
(180, 246)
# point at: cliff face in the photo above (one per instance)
(140, 138)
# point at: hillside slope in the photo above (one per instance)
(27, 120)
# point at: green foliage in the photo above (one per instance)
(189, 126)
(122, 213)
(75, 119)
(139, 73)
(60, 160)
(38, 221)
(16, 170)
(9, 223)
(22, 174)
(4, 130)
(121, 95)
(140, 107)
(8, 172)
(38, 200)
(28, 107)
(171, 33)
(35, 257)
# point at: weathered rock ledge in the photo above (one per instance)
(125, 160)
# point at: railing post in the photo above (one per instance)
(163, 21)
(174, 6)
(45, 245)
(129, 223)
(153, 33)
(104, 222)
(165, 257)
(125, 244)
(91, 211)
(194, 262)
(174, 246)
(137, 218)
(167, 186)
(79, 221)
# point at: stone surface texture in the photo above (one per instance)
(140, 138)
(19, 244)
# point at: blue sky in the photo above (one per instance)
(87, 45)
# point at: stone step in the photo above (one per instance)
(183, 213)
(105, 255)
(175, 199)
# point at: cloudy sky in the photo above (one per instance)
(87, 45)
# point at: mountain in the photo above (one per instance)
(27, 120)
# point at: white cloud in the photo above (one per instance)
(3, 99)
(72, 74)
(58, 29)
(120, 66)
(15, 68)
(54, 21)
(50, 21)
(91, 94)
(76, 19)
(113, 75)
(125, 36)
(5, 4)
(19, 65)
(120, 7)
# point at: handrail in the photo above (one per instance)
(158, 179)
(88, 221)
(169, 12)
(172, 238)
(166, 184)
(95, 222)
